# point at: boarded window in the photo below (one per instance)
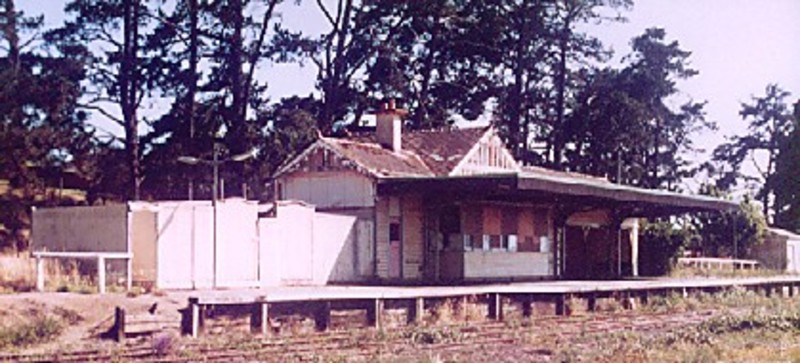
(528, 244)
(394, 231)
(450, 220)
(509, 223)
(492, 221)
(540, 222)
(472, 220)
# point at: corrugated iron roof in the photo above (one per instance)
(424, 153)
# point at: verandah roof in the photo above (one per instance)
(544, 186)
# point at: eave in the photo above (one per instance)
(569, 191)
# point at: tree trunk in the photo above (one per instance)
(191, 93)
(128, 84)
(561, 85)
(236, 58)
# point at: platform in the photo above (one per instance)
(372, 298)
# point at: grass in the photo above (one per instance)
(18, 274)
(40, 330)
(769, 331)
(693, 272)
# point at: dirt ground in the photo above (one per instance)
(84, 317)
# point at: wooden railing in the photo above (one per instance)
(718, 263)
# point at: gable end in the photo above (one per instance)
(320, 157)
(488, 155)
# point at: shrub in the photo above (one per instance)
(23, 335)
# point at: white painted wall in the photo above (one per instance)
(186, 249)
(304, 247)
(237, 244)
(81, 229)
(488, 264)
(334, 248)
(793, 256)
(185, 245)
(287, 249)
(330, 189)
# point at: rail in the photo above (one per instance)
(100, 257)
(716, 262)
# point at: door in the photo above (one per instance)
(395, 249)
(364, 256)
(575, 254)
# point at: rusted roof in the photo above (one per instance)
(538, 170)
(424, 153)
(379, 161)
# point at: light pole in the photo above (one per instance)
(215, 163)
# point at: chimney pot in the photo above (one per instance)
(389, 125)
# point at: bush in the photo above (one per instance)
(36, 332)
(661, 242)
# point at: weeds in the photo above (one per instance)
(35, 332)
(425, 336)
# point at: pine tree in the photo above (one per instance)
(770, 123)
(41, 132)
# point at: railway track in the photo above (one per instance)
(363, 344)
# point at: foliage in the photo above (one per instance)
(664, 241)
(110, 35)
(733, 234)
(622, 126)
(38, 331)
(42, 134)
(786, 179)
(770, 124)
(434, 335)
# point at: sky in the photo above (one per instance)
(738, 46)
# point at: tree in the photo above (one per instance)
(112, 32)
(573, 48)
(40, 128)
(231, 39)
(621, 123)
(729, 234)
(769, 125)
(664, 241)
(786, 179)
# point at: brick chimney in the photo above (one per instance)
(389, 126)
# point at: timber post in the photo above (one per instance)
(118, 331)
(259, 318)
(197, 319)
(322, 315)
(416, 310)
(591, 302)
(644, 297)
(375, 313)
(561, 305)
(527, 305)
(495, 306)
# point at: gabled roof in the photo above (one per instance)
(429, 153)
(378, 161)
(430, 160)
